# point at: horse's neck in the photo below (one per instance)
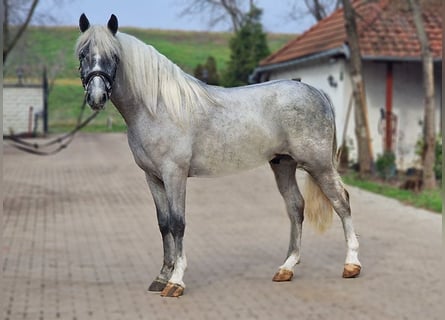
(131, 109)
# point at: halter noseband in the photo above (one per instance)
(104, 76)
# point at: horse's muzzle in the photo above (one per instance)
(97, 93)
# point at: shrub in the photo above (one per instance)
(386, 165)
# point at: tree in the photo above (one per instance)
(198, 72)
(15, 13)
(208, 72)
(16, 17)
(319, 9)
(361, 114)
(212, 71)
(219, 11)
(248, 46)
(428, 154)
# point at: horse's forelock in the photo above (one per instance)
(100, 37)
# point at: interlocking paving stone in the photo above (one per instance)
(80, 241)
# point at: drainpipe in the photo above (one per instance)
(388, 107)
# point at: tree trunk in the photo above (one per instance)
(429, 130)
(234, 12)
(361, 113)
(8, 43)
(5, 31)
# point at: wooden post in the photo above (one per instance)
(45, 101)
(30, 116)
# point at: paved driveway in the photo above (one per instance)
(80, 241)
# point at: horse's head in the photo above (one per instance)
(98, 62)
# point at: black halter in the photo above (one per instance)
(106, 78)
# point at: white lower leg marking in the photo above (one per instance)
(290, 262)
(178, 272)
(351, 242)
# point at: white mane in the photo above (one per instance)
(150, 76)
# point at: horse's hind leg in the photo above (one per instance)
(330, 183)
(284, 170)
(162, 210)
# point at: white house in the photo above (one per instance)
(392, 72)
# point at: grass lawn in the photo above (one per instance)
(426, 199)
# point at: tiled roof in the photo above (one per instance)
(386, 30)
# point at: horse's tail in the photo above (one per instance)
(318, 208)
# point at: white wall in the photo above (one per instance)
(407, 106)
(316, 74)
(407, 101)
(16, 103)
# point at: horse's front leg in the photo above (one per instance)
(163, 213)
(175, 180)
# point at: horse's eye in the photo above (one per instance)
(82, 55)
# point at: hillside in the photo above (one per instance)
(54, 48)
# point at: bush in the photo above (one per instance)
(386, 165)
(208, 72)
(247, 48)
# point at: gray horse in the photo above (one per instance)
(179, 127)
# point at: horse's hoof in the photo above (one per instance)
(172, 290)
(351, 270)
(283, 275)
(157, 285)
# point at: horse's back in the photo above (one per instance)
(288, 107)
(253, 124)
(278, 96)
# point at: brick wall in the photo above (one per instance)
(17, 101)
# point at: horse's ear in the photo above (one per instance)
(84, 24)
(112, 24)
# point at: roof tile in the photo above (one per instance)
(386, 29)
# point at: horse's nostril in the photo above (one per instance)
(104, 97)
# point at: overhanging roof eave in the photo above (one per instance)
(342, 50)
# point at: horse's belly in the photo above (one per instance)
(230, 163)
(215, 159)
